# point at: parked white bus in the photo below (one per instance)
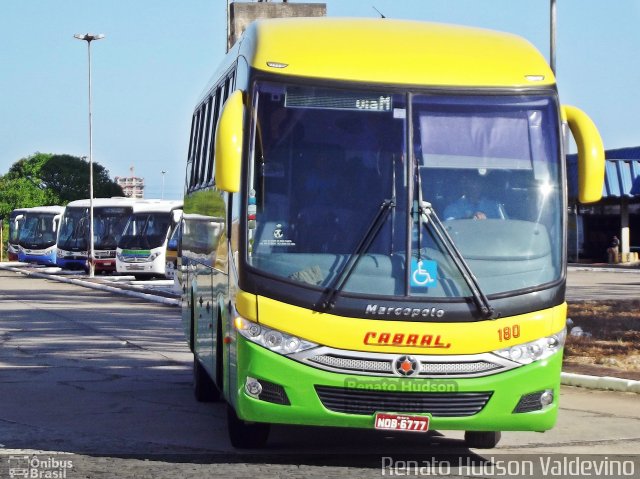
(37, 234)
(142, 249)
(110, 215)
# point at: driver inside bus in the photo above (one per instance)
(473, 203)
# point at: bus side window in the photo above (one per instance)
(216, 113)
(205, 143)
(192, 135)
(195, 174)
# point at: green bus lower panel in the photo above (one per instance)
(450, 403)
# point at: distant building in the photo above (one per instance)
(617, 213)
(132, 186)
(241, 14)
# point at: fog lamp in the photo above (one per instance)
(253, 387)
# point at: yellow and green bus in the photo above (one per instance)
(374, 229)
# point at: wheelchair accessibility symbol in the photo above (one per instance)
(423, 273)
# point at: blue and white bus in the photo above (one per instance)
(142, 247)
(38, 233)
(110, 215)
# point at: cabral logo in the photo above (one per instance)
(399, 339)
(376, 310)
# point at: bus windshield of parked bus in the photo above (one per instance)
(73, 234)
(14, 225)
(146, 231)
(338, 198)
(108, 223)
(38, 231)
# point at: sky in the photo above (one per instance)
(157, 56)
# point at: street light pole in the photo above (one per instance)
(162, 195)
(87, 37)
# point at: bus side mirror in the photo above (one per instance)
(56, 221)
(590, 154)
(229, 137)
(17, 220)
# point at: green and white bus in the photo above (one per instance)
(142, 248)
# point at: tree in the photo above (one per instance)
(46, 179)
(68, 176)
(22, 193)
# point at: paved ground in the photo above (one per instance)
(108, 379)
(597, 283)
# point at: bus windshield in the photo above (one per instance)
(73, 235)
(14, 226)
(37, 231)
(108, 223)
(145, 231)
(338, 198)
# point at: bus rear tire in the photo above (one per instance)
(204, 388)
(245, 435)
(482, 439)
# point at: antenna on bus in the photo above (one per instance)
(379, 12)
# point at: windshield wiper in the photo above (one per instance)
(328, 301)
(428, 216)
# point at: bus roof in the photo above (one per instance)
(17, 211)
(54, 210)
(156, 206)
(102, 202)
(391, 51)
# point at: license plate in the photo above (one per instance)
(398, 422)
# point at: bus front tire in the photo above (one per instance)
(245, 435)
(204, 388)
(482, 439)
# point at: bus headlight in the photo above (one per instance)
(153, 256)
(534, 350)
(272, 339)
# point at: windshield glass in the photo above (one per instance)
(489, 168)
(330, 181)
(37, 231)
(14, 226)
(72, 230)
(325, 162)
(145, 231)
(108, 224)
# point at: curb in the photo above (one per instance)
(606, 383)
(100, 287)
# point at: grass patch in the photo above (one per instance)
(612, 336)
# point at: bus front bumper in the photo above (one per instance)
(299, 381)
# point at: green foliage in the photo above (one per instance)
(68, 176)
(29, 168)
(23, 193)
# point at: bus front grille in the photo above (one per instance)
(384, 364)
(368, 402)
